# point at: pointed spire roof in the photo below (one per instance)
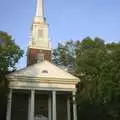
(40, 8)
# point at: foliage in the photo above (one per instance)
(10, 53)
(64, 54)
(98, 66)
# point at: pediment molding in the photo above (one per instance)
(42, 80)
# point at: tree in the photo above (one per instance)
(10, 53)
(98, 66)
(64, 54)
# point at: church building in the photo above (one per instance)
(41, 90)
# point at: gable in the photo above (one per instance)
(44, 69)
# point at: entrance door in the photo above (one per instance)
(19, 106)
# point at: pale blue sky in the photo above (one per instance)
(68, 19)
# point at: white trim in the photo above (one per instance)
(43, 89)
(43, 79)
(43, 85)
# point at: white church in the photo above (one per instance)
(41, 91)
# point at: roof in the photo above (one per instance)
(44, 69)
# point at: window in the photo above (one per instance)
(44, 71)
(40, 58)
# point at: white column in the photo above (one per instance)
(32, 102)
(54, 104)
(74, 106)
(9, 104)
(68, 109)
(49, 107)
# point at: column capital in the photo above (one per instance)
(74, 93)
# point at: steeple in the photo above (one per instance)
(40, 8)
(39, 48)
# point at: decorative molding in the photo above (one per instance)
(44, 85)
(41, 88)
(43, 80)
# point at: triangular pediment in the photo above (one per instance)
(46, 70)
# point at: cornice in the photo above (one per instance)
(43, 80)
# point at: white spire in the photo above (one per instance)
(40, 8)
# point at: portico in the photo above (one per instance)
(42, 98)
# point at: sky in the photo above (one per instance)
(67, 19)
